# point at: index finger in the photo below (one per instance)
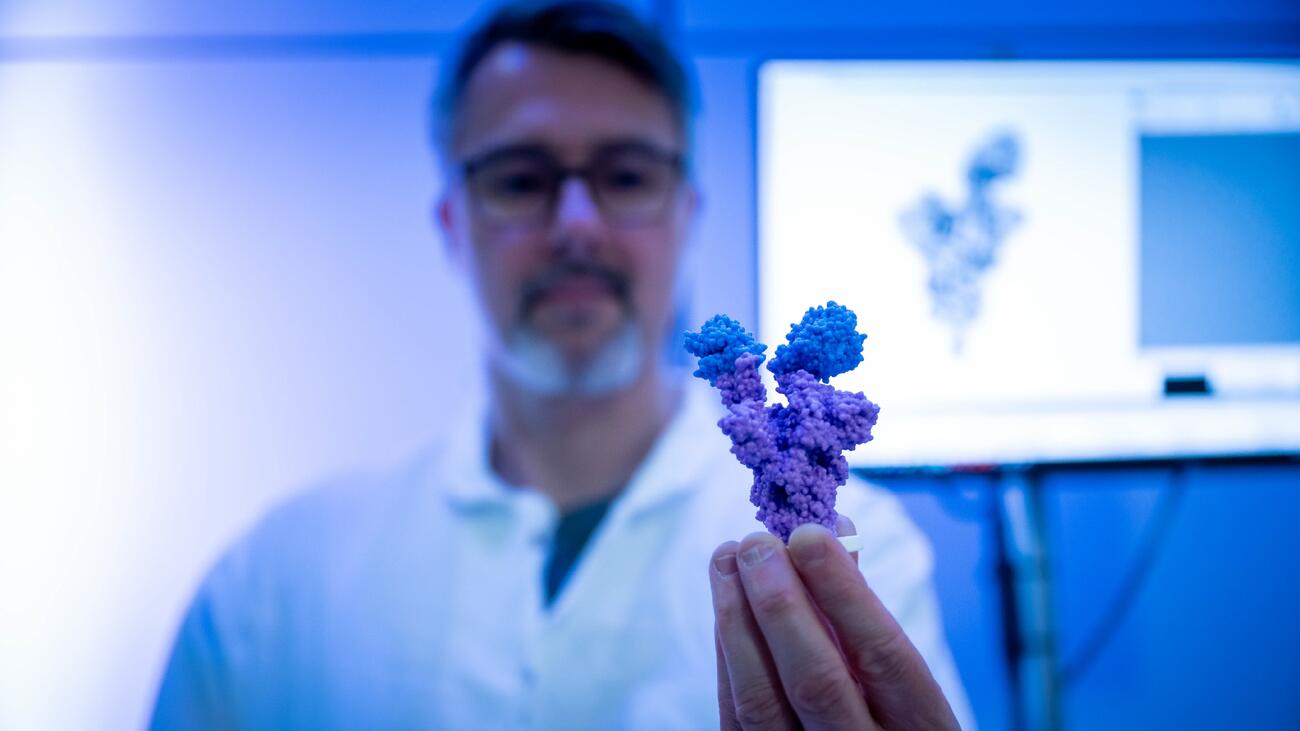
(901, 692)
(819, 686)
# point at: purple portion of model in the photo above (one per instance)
(794, 449)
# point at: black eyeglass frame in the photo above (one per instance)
(558, 174)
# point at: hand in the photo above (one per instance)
(803, 642)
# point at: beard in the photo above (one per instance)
(538, 365)
(535, 363)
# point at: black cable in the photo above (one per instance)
(1013, 646)
(1153, 538)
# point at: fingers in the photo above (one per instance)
(726, 705)
(898, 685)
(757, 700)
(816, 681)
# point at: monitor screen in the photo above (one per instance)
(1052, 260)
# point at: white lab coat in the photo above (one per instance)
(413, 599)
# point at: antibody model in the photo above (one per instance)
(795, 450)
(961, 244)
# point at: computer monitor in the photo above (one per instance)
(1052, 260)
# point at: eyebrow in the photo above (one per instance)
(604, 147)
(510, 150)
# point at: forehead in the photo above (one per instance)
(569, 103)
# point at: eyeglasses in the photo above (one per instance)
(518, 187)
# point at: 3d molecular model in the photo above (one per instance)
(795, 450)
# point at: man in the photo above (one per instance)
(550, 566)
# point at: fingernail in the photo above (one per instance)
(755, 554)
(726, 564)
(851, 542)
(809, 551)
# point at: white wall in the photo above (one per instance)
(219, 281)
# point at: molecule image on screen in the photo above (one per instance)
(796, 449)
(960, 244)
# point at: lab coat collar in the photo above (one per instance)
(462, 470)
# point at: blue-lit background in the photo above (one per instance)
(219, 280)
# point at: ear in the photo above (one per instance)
(693, 205)
(696, 203)
(444, 218)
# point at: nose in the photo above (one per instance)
(577, 221)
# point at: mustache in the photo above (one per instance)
(535, 287)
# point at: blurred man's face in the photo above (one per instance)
(570, 217)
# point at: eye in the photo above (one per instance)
(626, 178)
(517, 183)
(633, 174)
